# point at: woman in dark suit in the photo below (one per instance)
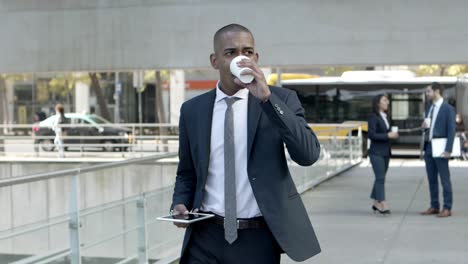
(379, 151)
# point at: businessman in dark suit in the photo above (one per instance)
(265, 216)
(441, 125)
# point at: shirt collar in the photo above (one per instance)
(439, 102)
(220, 95)
(383, 114)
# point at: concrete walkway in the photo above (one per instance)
(349, 232)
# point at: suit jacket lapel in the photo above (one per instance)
(254, 112)
(204, 130)
(382, 122)
(438, 114)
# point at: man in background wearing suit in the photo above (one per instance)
(258, 211)
(441, 125)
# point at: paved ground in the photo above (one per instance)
(350, 233)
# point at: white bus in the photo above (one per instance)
(349, 98)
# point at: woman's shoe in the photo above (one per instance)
(376, 209)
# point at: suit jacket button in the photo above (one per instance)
(253, 179)
(281, 112)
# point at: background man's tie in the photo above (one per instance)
(230, 202)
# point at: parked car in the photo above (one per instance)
(86, 126)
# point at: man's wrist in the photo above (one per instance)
(264, 100)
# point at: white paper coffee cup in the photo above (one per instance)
(394, 129)
(427, 120)
(237, 71)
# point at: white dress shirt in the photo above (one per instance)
(213, 198)
(436, 108)
(384, 117)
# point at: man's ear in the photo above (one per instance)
(214, 61)
(256, 57)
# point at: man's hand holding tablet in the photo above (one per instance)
(181, 217)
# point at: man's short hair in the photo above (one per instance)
(229, 28)
(437, 86)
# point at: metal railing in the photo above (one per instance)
(125, 230)
(341, 149)
(85, 140)
(76, 220)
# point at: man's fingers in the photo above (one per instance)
(249, 64)
(255, 70)
(180, 212)
(181, 225)
(247, 72)
(180, 209)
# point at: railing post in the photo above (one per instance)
(74, 224)
(36, 145)
(335, 148)
(327, 158)
(140, 142)
(142, 238)
(133, 145)
(360, 143)
(157, 137)
(350, 138)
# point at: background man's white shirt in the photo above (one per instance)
(436, 109)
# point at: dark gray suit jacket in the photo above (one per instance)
(278, 121)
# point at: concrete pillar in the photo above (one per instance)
(117, 93)
(10, 100)
(177, 94)
(81, 97)
(462, 98)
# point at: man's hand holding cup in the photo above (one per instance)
(250, 76)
